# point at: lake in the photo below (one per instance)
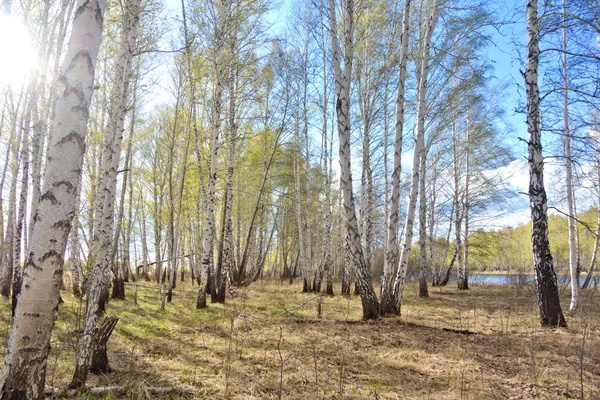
(505, 279)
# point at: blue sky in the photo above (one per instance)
(506, 52)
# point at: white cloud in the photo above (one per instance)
(515, 178)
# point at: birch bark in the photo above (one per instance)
(227, 255)
(463, 272)
(77, 273)
(20, 222)
(573, 265)
(370, 303)
(209, 226)
(551, 314)
(391, 250)
(423, 290)
(326, 251)
(25, 364)
(101, 244)
(418, 152)
(308, 258)
(8, 251)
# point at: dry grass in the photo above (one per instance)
(243, 349)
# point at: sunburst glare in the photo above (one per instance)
(17, 55)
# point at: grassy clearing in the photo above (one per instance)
(251, 348)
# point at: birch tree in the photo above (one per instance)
(370, 303)
(107, 184)
(573, 264)
(223, 9)
(551, 314)
(391, 248)
(418, 152)
(24, 368)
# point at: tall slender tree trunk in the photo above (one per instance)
(370, 303)
(209, 226)
(226, 260)
(431, 224)
(551, 314)
(326, 253)
(142, 223)
(419, 151)
(25, 364)
(423, 268)
(76, 271)
(20, 221)
(8, 253)
(118, 289)
(8, 246)
(101, 245)
(444, 281)
(458, 204)
(391, 249)
(463, 268)
(573, 264)
(299, 220)
(307, 208)
(175, 200)
(366, 191)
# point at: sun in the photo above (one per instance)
(17, 55)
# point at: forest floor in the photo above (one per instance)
(484, 343)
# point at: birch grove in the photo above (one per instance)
(196, 155)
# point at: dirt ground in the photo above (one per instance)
(484, 343)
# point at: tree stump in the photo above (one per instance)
(99, 352)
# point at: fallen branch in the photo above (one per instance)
(61, 393)
(459, 331)
(302, 304)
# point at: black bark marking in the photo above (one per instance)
(62, 224)
(52, 253)
(50, 197)
(70, 187)
(81, 9)
(74, 137)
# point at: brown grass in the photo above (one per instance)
(232, 350)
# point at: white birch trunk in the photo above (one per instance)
(432, 224)
(75, 261)
(8, 251)
(228, 256)
(19, 230)
(423, 290)
(101, 244)
(391, 249)
(326, 251)
(419, 150)
(463, 268)
(301, 232)
(370, 304)
(547, 290)
(573, 267)
(142, 223)
(458, 201)
(308, 258)
(25, 364)
(209, 226)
